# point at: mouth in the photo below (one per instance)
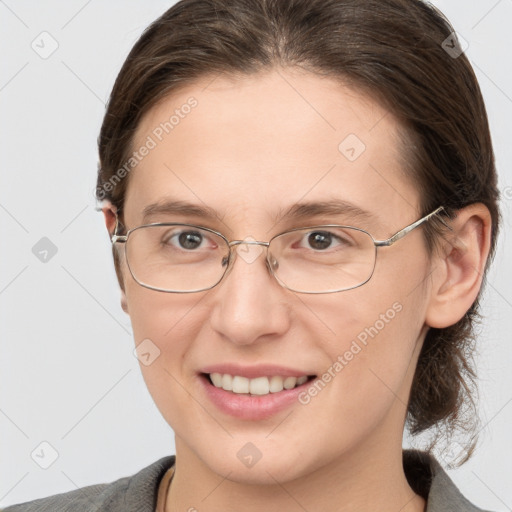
(259, 386)
(253, 392)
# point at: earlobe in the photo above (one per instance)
(458, 266)
(124, 302)
(109, 213)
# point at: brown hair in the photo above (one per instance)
(402, 52)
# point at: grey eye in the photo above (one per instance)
(190, 239)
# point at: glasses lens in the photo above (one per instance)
(323, 259)
(177, 258)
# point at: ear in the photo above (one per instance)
(124, 302)
(458, 266)
(109, 213)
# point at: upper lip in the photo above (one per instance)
(252, 372)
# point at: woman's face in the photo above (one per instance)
(248, 149)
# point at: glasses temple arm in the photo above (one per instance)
(115, 238)
(409, 228)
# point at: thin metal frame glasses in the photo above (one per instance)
(350, 264)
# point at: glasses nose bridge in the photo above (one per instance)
(235, 243)
(249, 242)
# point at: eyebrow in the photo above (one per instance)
(296, 212)
(175, 207)
(334, 207)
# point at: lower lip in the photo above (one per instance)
(251, 407)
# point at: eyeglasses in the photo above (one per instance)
(185, 258)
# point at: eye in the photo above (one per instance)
(321, 240)
(189, 240)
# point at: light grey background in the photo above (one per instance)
(68, 374)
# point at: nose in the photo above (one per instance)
(249, 305)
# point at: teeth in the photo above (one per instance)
(240, 384)
(289, 382)
(257, 386)
(227, 382)
(276, 384)
(217, 379)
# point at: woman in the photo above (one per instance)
(301, 197)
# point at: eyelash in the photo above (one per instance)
(341, 240)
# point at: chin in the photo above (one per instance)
(241, 461)
(276, 469)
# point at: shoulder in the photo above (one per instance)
(430, 480)
(135, 493)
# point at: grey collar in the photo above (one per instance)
(428, 479)
(138, 493)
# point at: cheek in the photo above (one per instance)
(377, 333)
(367, 383)
(157, 315)
(165, 326)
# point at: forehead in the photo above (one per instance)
(250, 147)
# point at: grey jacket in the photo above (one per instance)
(138, 493)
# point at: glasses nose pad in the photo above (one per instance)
(272, 263)
(227, 263)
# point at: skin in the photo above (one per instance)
(252, 147)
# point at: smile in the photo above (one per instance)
(253, 392)
(258, 386)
